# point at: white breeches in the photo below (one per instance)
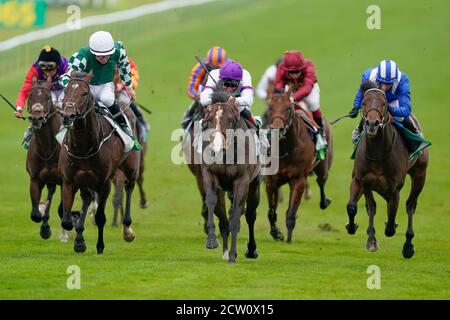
(312, 101)
(104, 93)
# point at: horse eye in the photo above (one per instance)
(84, 94)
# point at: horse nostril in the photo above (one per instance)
(367, 122)
(377, 123)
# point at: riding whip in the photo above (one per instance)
(340, 118)
(10, 104)
(143, 108)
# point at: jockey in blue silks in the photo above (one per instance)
(395, 84)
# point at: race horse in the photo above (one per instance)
(91, 154)
(239, 177)
(43, 154)
(119, 182)
(297, 159)
(381, 164)
(195, 168)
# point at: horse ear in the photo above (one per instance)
(270, 90)
(73, 74)
(49, 80)
(289, 91)
(88, 77)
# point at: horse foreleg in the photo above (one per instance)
(297, 187)
(45, 231)
(210, 186)
(67, 195)
(35, 195)
(118, 197)
(100, 217)
(272, 191)
(417, 183)
(371, 206)
(240, 192)
(321, 171)
(352, 205)
(250, 215)
(392, 207)
(224, 227)
(127, 232)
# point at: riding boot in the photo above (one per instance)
(120, 119)
(357, 132)
(321, 142)
(409, 124)
(27, 137)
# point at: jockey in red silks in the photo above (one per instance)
(215, 58)
(299, 73)
(50, 63)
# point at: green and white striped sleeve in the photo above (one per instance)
(124, 66)
(77, 63)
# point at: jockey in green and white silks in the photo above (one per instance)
(102, 56)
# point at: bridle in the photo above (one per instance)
(218, 114)
(286, 122)
(47, 114)
(80, 110)
(384, 115)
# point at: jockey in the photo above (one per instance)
(49, 64)
(102, 56)
(266, 80)
(300, 75)
(395, 84)
(215, 58)
(121, 95)
(237, 81)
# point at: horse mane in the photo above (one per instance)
(219, 96)
(367, 84)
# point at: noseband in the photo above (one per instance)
(47, 115)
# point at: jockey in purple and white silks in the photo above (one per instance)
(395, 84)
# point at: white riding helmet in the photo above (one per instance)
(101, 43)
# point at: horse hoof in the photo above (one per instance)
(277, 235)
(325, 203)
(372, 246)
(231, 261)
(37, 217)
(408, 251)
(79, 247)
(144, 204)
(100, 249)
(114, 225)
(351, 229)
(67, 225)
(129, 235)
(225, 255)
(251, 254)
(212, 243)
(389, 232)
(45, 232)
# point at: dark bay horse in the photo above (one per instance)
(381, 165)
(43, 153)
(195, 168)
(239, 177)
(119, 181)
(296, 160)
(89, 158)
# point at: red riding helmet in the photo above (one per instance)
(293, 60)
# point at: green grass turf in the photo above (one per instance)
(168, 259)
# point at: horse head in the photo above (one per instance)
(280, 111)
(222, 115)
(40, 102)
(78, 100)
(374, 108)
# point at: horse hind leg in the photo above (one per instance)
(352, 206)
(127, 232)
(211, 202)
(321, 171)
(417, 183)
(117, 201)
(273, 198)
(100, 217)
(44, 208)
(372, 244)
(140, 181)
(250, 215)
(392, 207)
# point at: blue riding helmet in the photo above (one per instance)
(387, 72)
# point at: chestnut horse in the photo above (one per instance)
(296, 161)
(239, 177)
(43, 153)
(89, 158)
(381, 164)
